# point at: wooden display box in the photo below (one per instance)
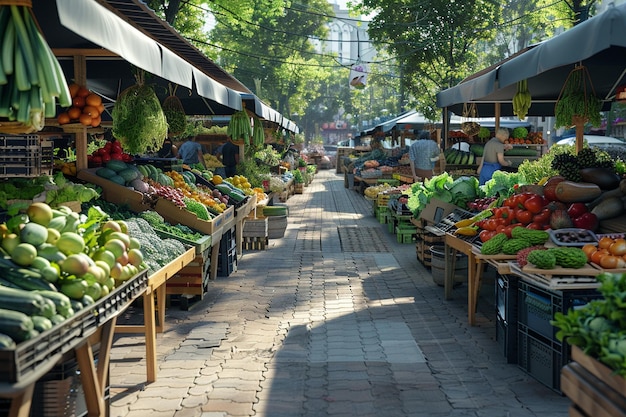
(114, 193)
(193, 278)
(176, 215)
(593, 388)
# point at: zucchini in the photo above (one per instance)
(521, 151)
(8, 284)
(24, 278)
(576, 192)
(61, 301)
(56, 319)
(17, 325)
(28, 302)
(609, 208)
(6, 342)
(41, 323)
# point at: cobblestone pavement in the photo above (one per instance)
(334, 319)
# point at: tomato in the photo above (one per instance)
(543, 217)
(618, 247)
(485, 235)
(490, 225)
(500, 228)
(534, 203)
(510, 202)
(524, 216)
(535, 226)
(507, 230)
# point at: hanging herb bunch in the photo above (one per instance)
(138, 119)
(577, 102)
(239, 127)
(258, 133)
(174, 114)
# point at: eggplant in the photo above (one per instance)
(604, 178)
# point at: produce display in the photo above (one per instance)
(60, 261)
(86, 107)
(454, 156)
(31, 79)
(597, 327)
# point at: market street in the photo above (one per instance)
(334, 319)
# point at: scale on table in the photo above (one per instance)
(447, 223)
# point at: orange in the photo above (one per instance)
(74, 113)
(589, 249)
(83, 92)
(95, 121)
(85, 119)
(63, 118)
(91, 110)
(73, 89)
(93, 100)
(78, 101)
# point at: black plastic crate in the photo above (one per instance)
(506, 298)
(506, 336)
(537, 306)
(506, 315)
(541, 358)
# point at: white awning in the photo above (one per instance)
(101, 26)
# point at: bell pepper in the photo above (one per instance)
(587, 221)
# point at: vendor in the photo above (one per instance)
(493, 156)
(423, 154)
(230, 157)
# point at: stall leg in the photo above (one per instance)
(215, 253)
(450, 259)
(20, 404)
(149, 322)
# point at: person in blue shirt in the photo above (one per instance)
(423, 154)
(493, 156)
(191, 152)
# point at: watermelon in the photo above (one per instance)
(116, 165)
(105, 172)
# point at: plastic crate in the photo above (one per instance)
(541, 358)
(405, 234)
(506, 315)
(25, 156)
(382, 200)
(537, 306)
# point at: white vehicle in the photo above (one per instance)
(594, 140)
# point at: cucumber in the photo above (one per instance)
(41, 323)
(61, 301)
(56, 319)
(17, 325)
(27, 302)
(6, 342)
(23, 277)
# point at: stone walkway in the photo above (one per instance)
(334, 319)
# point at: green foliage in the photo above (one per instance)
(444, 188)
(254, 172)
(502, 184)
(297, 176)
(533, 171)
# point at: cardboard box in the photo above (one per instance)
(435, 211)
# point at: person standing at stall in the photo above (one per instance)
(191, 152)
(230, 157)
(423, 154)
(493, 156)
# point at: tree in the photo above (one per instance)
(433, 41)
(274, 55)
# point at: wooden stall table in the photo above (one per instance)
(78, 334)
(156, 288)
(475, 268)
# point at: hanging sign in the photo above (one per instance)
(358, 76)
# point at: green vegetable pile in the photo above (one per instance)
(599, 328)
(21, 189)
(180, 230)
(64, 190)
(138, 120)
(157, 252)
(502, 184)
(445, 188)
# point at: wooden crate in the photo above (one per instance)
(255, 243)
(193, 278)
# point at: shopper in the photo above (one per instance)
(493, 156)
(423, 154)
(191, 152)
(168, 150)
(230, 157)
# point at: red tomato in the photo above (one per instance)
(510, 202)
(507, 230)
(543, 216)
(524, 216)
(117, 156)
(105, 157)
(490, 225)
(535, 226)
(485, 235)
(534, 203)
(576, 210)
